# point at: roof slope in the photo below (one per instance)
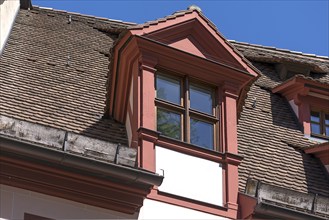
(54, 73)
(276, 55)
(271, 141)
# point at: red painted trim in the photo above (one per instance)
(247, 206)
(183, 147)
(202, 27)
(225, 186)
(121, 83)
(230, 125)
(304, 115)
(298, 80)
(321, 151)
(147, 94)
(152, 53)
(114, 69)
(160, 50)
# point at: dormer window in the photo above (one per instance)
(309, 100)
(177, 85)
(186, 110)
(320, 124)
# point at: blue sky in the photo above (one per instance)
(295, 25)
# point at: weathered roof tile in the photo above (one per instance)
(38, 85)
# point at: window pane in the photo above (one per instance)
(327, 119)
(168, 89)
(169, 123)
(315, 128)
(315, 116)
(201, 99)
(202, 134)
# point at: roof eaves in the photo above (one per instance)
(315, 147)
(65, 159)
(59, 139)
(300, 78)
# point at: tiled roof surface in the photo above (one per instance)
(37, 85)
(271, 141)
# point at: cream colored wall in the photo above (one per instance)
(15, 202)
(195, 178)
(294, 107)
(8, 11)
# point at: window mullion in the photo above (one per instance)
(187, 136)
(169, 106)
(322, 123)
(202, 116)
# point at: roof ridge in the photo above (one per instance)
(279, 49)
(45, 9)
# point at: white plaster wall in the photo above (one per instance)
(14, 202)
(159, 210)
(294, 107)
(189, 176)
(8, 11)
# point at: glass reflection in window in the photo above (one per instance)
(202, 133)
(169, 123)
(201, 99)
(168, 89)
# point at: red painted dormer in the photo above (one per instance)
(176, 84)
(309, 99)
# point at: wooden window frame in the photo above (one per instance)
(322, 123)
(184, 108)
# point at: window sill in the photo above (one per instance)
(317, 138)
(186, 148)
(164, 137)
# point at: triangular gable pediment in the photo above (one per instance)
(189, 44)
(192, 32)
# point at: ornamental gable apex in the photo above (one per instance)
(190, 31)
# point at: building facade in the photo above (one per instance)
(104, 119)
